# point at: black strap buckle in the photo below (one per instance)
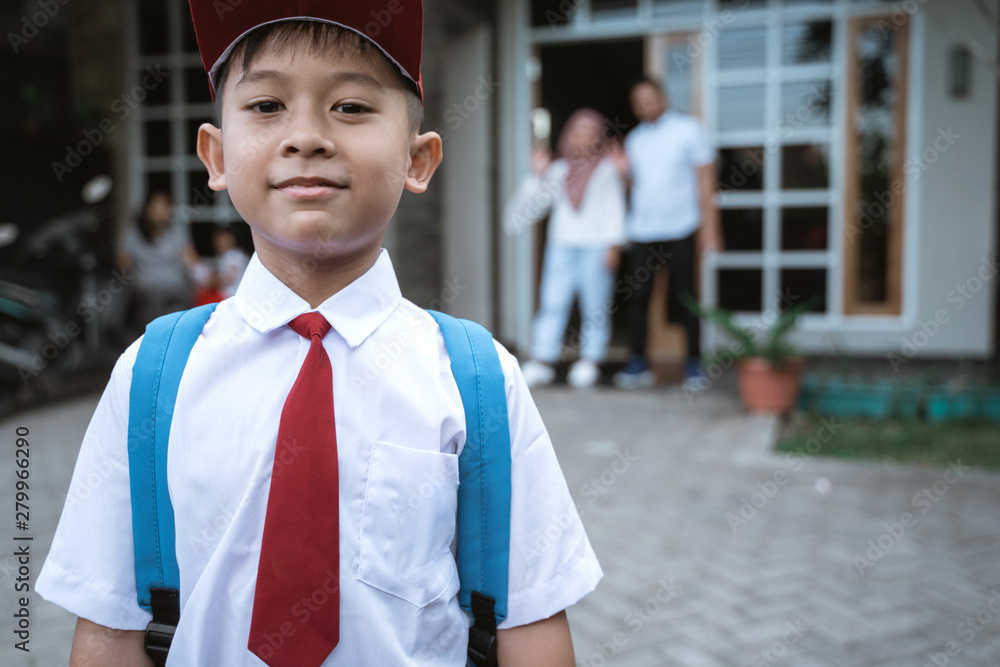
(160, 631)
(483, 632)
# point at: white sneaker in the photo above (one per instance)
(537, 374)
(583, 374)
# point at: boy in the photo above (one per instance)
(319, 135)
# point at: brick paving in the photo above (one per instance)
(660, 483)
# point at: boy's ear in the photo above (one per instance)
(210, 152)
(425, 156)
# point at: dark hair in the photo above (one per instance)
(319, 37)
(144, 223)
(645, 80)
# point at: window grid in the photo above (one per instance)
(194, 204)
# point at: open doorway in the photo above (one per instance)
(597, 75)
(600, 75)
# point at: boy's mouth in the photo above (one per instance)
(309, 187)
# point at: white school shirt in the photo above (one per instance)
(664, 157)
(600, 220)
(400, 428)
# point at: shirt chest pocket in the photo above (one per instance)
(408, 523)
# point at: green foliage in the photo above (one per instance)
(768, 343)
(898, 440)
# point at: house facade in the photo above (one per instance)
(856, 143)
(857, 153)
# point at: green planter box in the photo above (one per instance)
(850, 397)
(969, 403)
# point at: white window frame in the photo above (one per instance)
(519, 38)
(177, 112)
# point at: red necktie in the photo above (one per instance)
(296, 605)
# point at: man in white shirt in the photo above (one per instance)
(671, 163)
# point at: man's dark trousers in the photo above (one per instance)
(644, 258)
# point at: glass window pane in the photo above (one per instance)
(152, 27)
(678, 63)
(741, 168)
(804, 228)
(809, 42)
(677, 7)
(740, 289)
(804, 284)
(742, 228)
(200, 197)
(741, 107)
(876, 174)
(805, 166)
(598, 6)
(189, 39)
(741, 48)
(805, 104)
(550, 13)
(157, 92)
(196, 86)
(158, 138)
(740, 5)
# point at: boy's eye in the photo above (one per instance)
(350, 109)
(266, 107)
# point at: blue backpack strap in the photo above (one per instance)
(484, 482)
(156, 375)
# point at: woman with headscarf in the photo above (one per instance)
(586, 197)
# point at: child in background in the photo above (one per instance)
(586, 195)
(230, 261)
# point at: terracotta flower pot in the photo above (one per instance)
(764, 388)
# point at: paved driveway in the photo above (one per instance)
(715, 551)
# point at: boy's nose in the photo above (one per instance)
(308, 136)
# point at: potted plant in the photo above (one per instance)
(769, 368)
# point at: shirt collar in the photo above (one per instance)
(355, 312)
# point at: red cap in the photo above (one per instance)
(395, 26)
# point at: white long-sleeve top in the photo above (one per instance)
(600, 220)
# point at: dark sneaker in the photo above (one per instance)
(694, 379)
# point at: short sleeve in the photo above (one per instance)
(552, 565)
(702, 148)
(90, 569)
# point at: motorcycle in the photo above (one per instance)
(53, 317)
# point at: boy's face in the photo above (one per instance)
(315, 150)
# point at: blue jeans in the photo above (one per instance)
(569, 272)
